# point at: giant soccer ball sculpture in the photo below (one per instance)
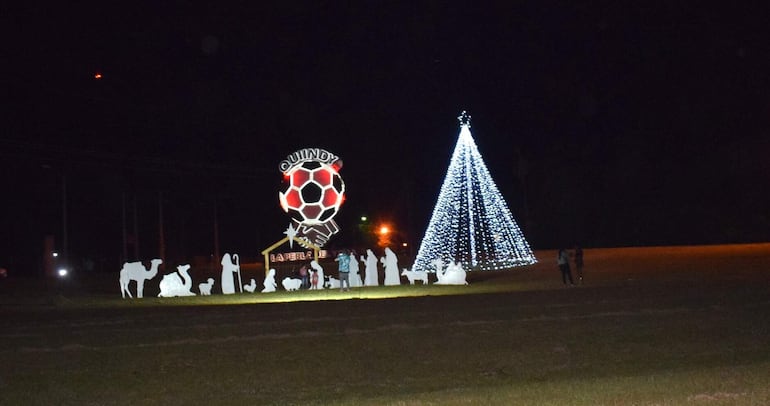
(313, 192)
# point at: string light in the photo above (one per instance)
(471, 223)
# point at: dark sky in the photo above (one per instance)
(609, 123)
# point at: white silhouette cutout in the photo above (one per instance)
(372, 276)
(228, 269)
(317, 279)
(391, 268)
(251, 286)
(438, 264)
(291, 284)
(332, 283)
(269, 281)
(453, 275)
(415, 276)
(176, 283)
(135, 271)
(205, 287)
(355, 277)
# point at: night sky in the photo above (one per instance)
(609, 124)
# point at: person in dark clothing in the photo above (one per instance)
(562, 258)
(579, 263)
(303, 274)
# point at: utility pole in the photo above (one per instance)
(136, 232)
(64, 216)
(216, 231)
(161, 237)
(123, 231)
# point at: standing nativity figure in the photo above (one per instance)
(228, 269)
(372, 277)
(135, 271)
(355, 276)
(269, 283)
(318, 275)
(391, 268)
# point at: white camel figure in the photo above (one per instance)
(177, 283)
(291, 284)
(453, 275)
(372, 276)
(251, 286)
(135, 271)
(229, 267)
(391, 268)
(269, 281)
(205, 287)
(415, 276)
(355, 277)
(319, 273)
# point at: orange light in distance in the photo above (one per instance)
(97, 75)
(383, 235)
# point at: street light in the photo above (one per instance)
(384, 231)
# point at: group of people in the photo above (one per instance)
(311, 281)
(563, 260)
(304, 275)
(349, 269)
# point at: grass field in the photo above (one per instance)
(650, 326)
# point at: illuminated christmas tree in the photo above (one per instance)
(471, 223)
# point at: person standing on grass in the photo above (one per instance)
(344, 260)
(563, 260)
(579, 262)
(304, 276)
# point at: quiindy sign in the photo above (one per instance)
(307, 154)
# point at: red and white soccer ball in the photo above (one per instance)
(313, 192)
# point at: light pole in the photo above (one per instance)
(65, 252)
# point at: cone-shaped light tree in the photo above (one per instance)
(471, 223)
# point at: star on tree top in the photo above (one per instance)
(465, 119)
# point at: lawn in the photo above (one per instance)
(650, 326)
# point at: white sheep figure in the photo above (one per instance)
(205, 287)
(415, 276)
(291, 284)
